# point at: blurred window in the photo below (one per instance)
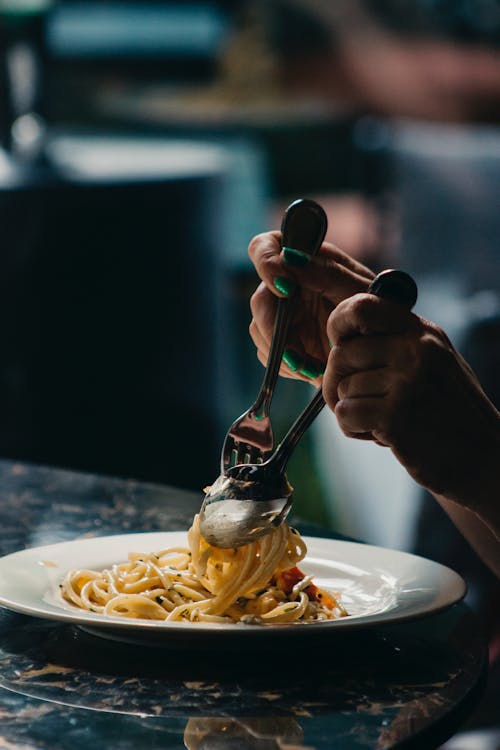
(144, 30)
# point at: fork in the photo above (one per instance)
(250, 438)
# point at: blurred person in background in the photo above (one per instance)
(429, 60)
(434, 61)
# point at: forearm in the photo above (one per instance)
(481, 526)
(474, 507)
(482, 532)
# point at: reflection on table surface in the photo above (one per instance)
(66, 688)
(260, 732)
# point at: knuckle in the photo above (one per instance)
(330, 391)
(257, 299)
(331, 325)
(437, 331)
(342, 413)
(269, 265)
(263, 306)
(253, 329)
(257, 244)
(435, 352)
(361, 308)
(264, 244)
(336, 360)
(331, 332)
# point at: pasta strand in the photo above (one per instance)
(255, 583)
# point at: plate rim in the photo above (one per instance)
(162, 628)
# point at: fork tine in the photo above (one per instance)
(255, 455)
(243, 453)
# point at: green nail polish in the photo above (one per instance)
(309, 372)
(292, 360)
(295, 257)
(284, 286)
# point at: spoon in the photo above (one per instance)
(247, 500)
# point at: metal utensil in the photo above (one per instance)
(247, 500)
(250, 438)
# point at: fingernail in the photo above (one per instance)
(292, 360)
(284, 286)
(293, 257)
(308, 371)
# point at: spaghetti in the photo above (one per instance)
(255, 583)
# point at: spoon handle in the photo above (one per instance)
(296, 431)
(396, 286)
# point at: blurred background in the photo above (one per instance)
(143, 144)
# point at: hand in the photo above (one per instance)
(323, 282)
(395, 378)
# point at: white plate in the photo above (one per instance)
(377, 586)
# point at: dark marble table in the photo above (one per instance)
(406, 685)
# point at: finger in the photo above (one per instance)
(267, 246)
(364, 384)
(265, 253)
(263, 246)
(362, 356)
(367, 314)
(363, 353)
(334, 275)
(261, 343)
(294, 364)
(263, 305)
(360, 416)
(284, 371)
(332, 252)
(331, 273)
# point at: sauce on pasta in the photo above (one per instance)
(255, 583)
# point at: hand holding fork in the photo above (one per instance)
(250, 438)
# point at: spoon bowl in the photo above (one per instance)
(243, 504)
(248, 499)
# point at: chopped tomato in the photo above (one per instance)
(287, 579)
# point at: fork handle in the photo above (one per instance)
(396, 286)
(303, 228)
(282, 320)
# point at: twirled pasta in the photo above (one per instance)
(256, 583)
